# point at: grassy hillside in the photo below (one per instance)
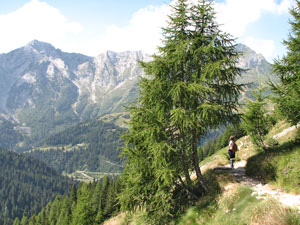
(234, 202)
(237, 203)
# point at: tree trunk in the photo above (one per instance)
(184, 162)
(200, 178)
(188, 190)
(260, 139)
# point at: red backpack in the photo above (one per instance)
(234, 147)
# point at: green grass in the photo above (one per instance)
(280, 163)
(119, 119)
(279, 166)
(279, 127)
(239, 207)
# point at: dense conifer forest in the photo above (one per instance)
(27, 185)
(90, 203)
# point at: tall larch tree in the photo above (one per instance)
(255, 118)
(288, 71)
(190, 89)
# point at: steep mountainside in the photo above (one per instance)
(44, 90)
(26, 185)
(258, 71)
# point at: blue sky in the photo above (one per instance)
(93, 26)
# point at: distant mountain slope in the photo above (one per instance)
(258, 68)
(258, 71)
(90, 146)
(26, 185)
(44, 90)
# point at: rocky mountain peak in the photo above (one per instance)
(251, 59)
(42, 48)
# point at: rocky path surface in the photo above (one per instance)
(261, 190)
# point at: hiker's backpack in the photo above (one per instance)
(234, 147)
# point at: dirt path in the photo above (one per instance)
(261, 191)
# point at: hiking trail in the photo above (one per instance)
(261, 190)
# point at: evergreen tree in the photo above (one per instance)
(65, 212)
(97, 204)
(254, 119)
(190, 90)
(83, 212)
(288, 71)
(73, 194)
(24, 220)
(104, 191)
(16, 221)
(54, 210)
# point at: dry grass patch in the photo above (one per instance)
(230, 196)
(271, 212)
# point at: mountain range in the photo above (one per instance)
(44, 90)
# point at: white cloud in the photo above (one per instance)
(285, 5)
(35, 20)
(144, 29)
(143, 32)
(236, 15)
(264, 47)
(38, 20)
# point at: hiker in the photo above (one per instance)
(231, 150)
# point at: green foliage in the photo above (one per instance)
(288, 71)
(191, 89)
(94, 203)
(26, 185)
(91, 146)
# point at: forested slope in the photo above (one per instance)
(26, 185)
(89, 204)
(89, 146)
